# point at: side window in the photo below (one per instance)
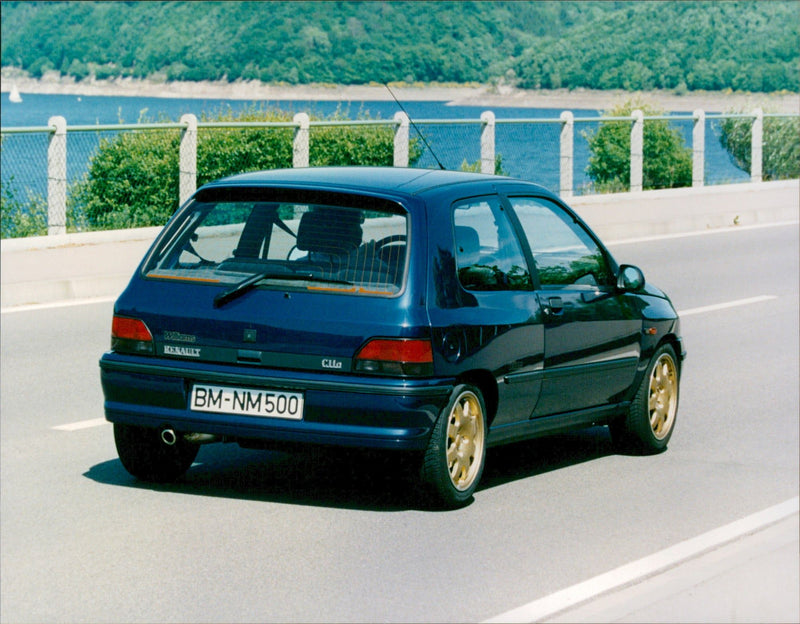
(488, 254)
(564, 252)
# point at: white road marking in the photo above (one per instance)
(57, 304)
(626, 241)
(723, 306)
(722, 230)
(646, 567)
(87, 424)
(83, 424)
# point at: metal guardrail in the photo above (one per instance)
(57, 133)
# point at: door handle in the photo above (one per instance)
(556, 305)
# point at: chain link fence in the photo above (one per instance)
(525, 150)
(23, 188)
(51, 182)
(455, 144)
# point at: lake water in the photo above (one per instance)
(528, 151)
(35, 110)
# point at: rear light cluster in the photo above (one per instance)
(387, 356)
(379, 356)
(130, 335)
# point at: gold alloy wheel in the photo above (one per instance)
(465, 440)
(663, 402)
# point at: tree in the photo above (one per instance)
(630, 45)
(667, 160)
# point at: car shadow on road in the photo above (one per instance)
(521, 460)
(372, 481)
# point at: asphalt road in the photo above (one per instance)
(256, 536)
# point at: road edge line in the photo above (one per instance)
(651, 565)
(82, 424)
(693, 233)
(63, 303)
(724, 306)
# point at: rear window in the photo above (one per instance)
(304, 241)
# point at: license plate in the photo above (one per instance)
(246, 401)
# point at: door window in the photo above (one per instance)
(564, 253)
(488, 253)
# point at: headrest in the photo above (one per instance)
(329, 231)
(468, 246)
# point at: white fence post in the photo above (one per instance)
(188, 158)
(487, 142)
(699, 148)
(300, 153)
(401, 140)
(637, 151)
(566, 149)
(756, 146)
(57, 177)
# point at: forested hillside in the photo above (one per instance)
(749, 46)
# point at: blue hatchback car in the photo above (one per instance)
(432, 312)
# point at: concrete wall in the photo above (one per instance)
(99, 264)
(650, 213)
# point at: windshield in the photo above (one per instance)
(345, 245)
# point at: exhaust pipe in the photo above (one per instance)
(168, 437)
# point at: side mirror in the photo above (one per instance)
(630, 278)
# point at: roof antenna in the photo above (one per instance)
(421, 136)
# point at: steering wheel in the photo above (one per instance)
(389, 240)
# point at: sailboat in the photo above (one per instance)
(14, 96)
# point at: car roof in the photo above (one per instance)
(399, 180)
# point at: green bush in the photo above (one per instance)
(475, 167)
(357, 145)
(780, 153)
(133, 179)
(225, 151)
(20, 218)
(667, 160)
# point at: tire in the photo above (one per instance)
(650, 420)
(148, 458)
(455, 456)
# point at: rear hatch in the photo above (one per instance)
(283, 279)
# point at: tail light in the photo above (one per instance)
(130, 335)
(389, 356)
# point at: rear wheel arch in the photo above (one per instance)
(453, 462)
(487, 384)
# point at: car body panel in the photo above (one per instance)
(544, 358)
(592, 349)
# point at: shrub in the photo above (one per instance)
(667, 160)
(475, 167)
(357, 145)
(20, 218)
(780, 155)
(133, 179)
(225, 151)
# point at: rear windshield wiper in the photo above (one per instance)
(239, 289)
(248, 284)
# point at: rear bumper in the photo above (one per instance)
(342, 410)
